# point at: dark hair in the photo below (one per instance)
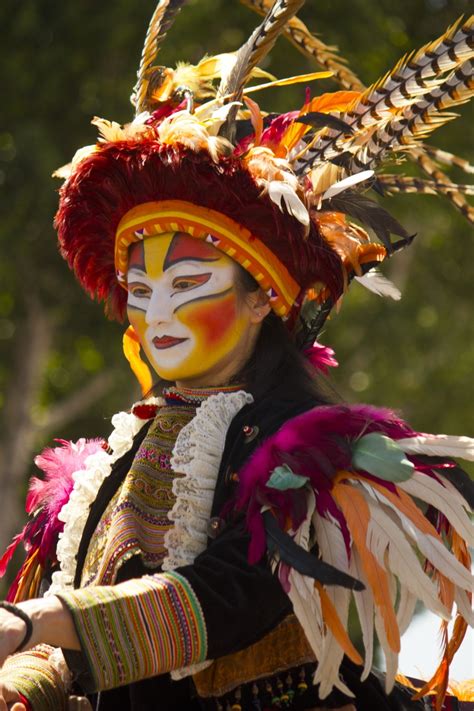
(276, 361)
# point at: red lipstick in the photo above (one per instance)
(163, 342)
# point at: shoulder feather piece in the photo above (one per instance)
(45, 499)
(354, 487)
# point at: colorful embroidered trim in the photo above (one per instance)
(195, 396)
(33, 676)
(139, 628)
(154, 218)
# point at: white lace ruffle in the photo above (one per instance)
(198, 454)
(87, 482)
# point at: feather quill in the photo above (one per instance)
(257, 46)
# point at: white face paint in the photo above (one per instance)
(183, 304)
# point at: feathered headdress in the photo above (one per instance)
(285, 195)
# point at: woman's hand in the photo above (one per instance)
(10, 698)
(52, 624)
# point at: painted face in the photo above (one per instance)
(183, 305)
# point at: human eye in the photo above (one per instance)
(188, 282)
(140, 291)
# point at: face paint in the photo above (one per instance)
(183, 305)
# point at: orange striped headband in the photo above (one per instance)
(154, 218)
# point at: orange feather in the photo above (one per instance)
(332, 620)
(440, 679)
(32, 571)
(256, 119)
(357, 515)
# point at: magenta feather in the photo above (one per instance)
(321, 357)
(47, 496)
(316, 444)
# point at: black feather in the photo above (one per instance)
(305, 563)
(371, 214)
(317, 119)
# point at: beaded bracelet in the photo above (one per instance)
(18, 612)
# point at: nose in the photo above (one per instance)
(159, 308)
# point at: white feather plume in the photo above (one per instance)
(439, 445)
(430, 490)
(433, 549)
(346, 183)
(333, 551)
(376, 282)
(395, 554)
(364, 601)
(464, 605)
(280, 192)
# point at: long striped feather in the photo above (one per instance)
(313, 47)
(447, 158)
(257, 46)
(431, 169)
(411, 77)
(161, 21)
(411, 184)
(416, 121)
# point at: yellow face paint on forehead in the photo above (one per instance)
(183, 304)
(155, 251)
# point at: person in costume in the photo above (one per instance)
(205, 556)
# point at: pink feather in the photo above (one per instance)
(47, 496)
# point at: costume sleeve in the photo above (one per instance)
(34, 676)
(155, 624)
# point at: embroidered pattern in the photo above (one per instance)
(87, 483)
(136, 518)
(138, 629)
(47, 691)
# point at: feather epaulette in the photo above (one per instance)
(46, 497)
(384, 518)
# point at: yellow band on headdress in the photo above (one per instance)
(154, 218)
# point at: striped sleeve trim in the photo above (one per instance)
(138, 629)
(32, 675)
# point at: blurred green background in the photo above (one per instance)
(62, 373)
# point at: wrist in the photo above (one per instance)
(52, 623)
(15, 631)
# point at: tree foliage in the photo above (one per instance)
(62, 371)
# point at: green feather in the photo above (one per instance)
(283, 478)
(381, 456)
